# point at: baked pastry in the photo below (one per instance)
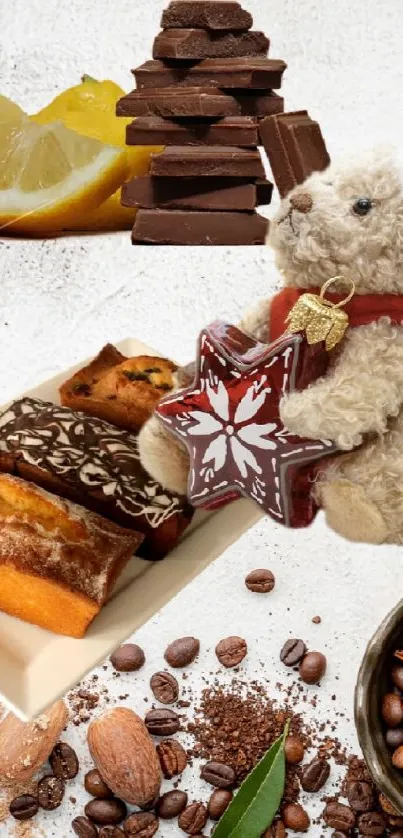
(58, 562)
(94, 464)
(120, 390)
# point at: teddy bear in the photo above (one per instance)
(344, 223)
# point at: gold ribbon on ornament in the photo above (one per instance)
(320, 319)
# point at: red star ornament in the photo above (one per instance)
(230, 422)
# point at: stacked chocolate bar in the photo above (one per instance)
(202, 97)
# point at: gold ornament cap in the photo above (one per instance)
(320, 319)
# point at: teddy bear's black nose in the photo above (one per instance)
(302, 202)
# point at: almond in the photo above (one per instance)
(125, 756)
(25, 746)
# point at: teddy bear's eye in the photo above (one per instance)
(362, 206)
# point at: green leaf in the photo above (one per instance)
(258, 799)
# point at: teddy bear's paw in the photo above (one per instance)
(351, 513)
(163, 456)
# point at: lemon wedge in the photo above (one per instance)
(49, 174)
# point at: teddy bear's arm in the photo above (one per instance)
(255, 321)
(362, 389)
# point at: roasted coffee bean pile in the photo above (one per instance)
(50, 788)
(312, 665)
(392, 710)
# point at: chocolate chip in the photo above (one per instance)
(392, 710)
(95, 785)
(339, 816)
(63, 761)
(165, 687)
(360, 796)
(50, 792)
(315, 774)
(218, 803)
(292, 652)
(218, 774)
(106, 812)
(193, 818)
(260, 581)
(141, 824)
(82, 389)
(397, 676)
(182, 652)
(111, 832)
(231, 651)
(294, 750)
(171, 804)
(295, 817)
(312, 667)
(173, 758)
(371, 823)
(394, 738)
(24, 807)
(162, 722)
(84, 828)
(128, 658)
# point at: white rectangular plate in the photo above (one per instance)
(38, 667)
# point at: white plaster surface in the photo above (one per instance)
(61, 300)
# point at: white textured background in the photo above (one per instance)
(61, 300)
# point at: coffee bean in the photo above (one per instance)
(371, 823)
(84, 828)
(106, 812)
(171, 804)
(394, 738)
(95, 786)
(339, 816)
(231, 651)
(276, 830)
(397, 757)
(315, 775)
(63, 761)
(141, 824)
(360, 796)
(24, 807)
(173, 758)
(218, 803)
(292, 652)
(128, 658)
(162, 722)
(295, 817)
(111, 832)
(260, 581)
(397, 675)
(50, 792)
(392, 710)
(165, 687)
(193, 818)
(218, 774)
(312, 667)
(182, 652)
(294, 750)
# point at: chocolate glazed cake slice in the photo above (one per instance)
(94, 464)
(202, 96)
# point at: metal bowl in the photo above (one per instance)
(372, 684)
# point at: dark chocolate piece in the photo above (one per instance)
(94, 464)
(206, 14)
(200, 43)
(198, 103)
(232, 130)
(207, 161)
(295, 147)
(173, 227)
(196, 194)
(226, 73)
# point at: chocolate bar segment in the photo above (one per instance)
(226, 73)
(200, 43)
(232, 130)
(169, 102)
(295, 147)
(206, 14)
(228, 194)
(93, 463)
(174, 227)
(210, 161)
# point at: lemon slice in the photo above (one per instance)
(49, 173)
